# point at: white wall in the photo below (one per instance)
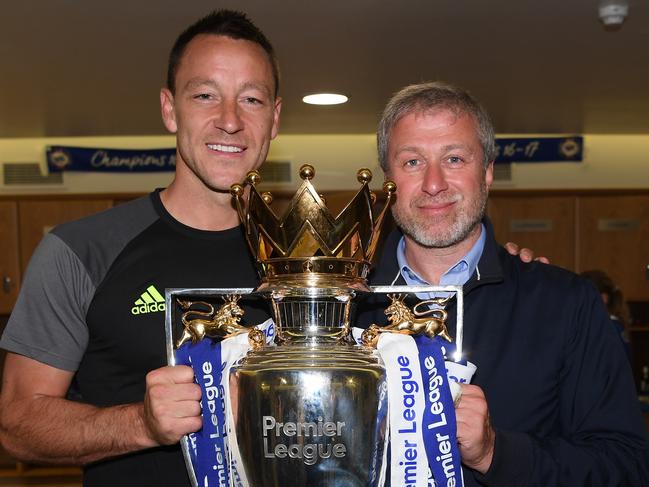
(610, 161)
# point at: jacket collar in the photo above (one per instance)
(489, 267)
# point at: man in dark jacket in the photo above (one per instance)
(552, 401)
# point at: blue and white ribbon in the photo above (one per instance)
(409, 465)
(423, 432)
(214, 459)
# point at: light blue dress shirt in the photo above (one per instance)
(457, 275)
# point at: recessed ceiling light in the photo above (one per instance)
(325, 99)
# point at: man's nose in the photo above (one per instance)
(434, 179)
(228, 118)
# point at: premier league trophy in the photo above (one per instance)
(300, 399)
(309, 411)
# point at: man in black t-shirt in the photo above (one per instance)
(90, 309)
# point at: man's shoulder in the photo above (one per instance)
(552, 277)
(98, 239)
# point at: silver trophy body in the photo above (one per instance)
(311, 410)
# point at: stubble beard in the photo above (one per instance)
(441, 232)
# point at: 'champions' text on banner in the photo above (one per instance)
(60, 158)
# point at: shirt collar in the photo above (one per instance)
(458, 274)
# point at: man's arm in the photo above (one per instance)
(38, 424)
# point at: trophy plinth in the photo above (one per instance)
(311, 409)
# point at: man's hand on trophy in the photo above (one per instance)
(525, 254)
(171, 404)
(475, 435)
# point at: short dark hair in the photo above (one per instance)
(434, 96)
(228, 23)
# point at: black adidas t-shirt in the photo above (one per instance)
(93, 298)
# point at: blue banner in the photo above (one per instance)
(539, 149)
(61, 158)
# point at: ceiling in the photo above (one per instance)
(94, 67)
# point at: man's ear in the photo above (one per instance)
(489, 174)
(168, 110)
(277, 109)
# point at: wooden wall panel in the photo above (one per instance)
(543, 224)
(614, 237)
(38, 217)
(9, 257)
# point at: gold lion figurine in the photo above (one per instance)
(403, 320)
(222, 324)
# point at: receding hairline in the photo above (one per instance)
(432, 97)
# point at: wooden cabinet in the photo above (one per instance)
(545, 224)
(581, 230)
(614, 237)
(9, 256)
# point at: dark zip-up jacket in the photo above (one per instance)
(559, 387)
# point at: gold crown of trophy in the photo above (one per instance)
(309, 409)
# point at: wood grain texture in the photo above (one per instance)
(623, 253)
(557, 244)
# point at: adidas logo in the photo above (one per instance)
(149, 302)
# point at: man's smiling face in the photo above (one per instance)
(437, 163)
(224, 111)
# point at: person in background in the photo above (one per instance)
(615, 304)
(552, 402)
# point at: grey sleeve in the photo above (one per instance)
(48, 322)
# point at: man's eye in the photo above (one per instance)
(202, 96)
(455, 160)
(252, 100)
(412, 162)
